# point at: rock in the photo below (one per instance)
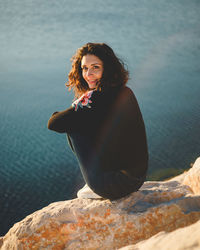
(102, 224)
(192, 178)
(187, 238)
(1, 241)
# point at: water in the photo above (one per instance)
(159, 41)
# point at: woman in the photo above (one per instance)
(104, 125)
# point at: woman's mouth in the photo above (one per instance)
(92, 81)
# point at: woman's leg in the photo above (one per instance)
(108, 184)
(113, 184)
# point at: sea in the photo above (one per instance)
(158, 40)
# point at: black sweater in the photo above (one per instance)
(111, 127)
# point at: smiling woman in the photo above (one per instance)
(104, 125)
(92, 70)
(111, 69)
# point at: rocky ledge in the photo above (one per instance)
(142, 220)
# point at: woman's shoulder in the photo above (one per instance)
(111, 93)
(125, 93)
(126, 90)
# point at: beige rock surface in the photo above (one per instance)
(102, 224)
(192, 178)
(187, 238)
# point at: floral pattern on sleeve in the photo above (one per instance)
(84, 100)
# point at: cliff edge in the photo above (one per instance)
(157, 209)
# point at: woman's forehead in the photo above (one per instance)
(90, 60)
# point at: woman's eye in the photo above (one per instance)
(96, 67)
(84, 68)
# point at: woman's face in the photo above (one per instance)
(92, 70)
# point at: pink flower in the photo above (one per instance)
(84, 100)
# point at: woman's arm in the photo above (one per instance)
(62, 121)
(75, 117)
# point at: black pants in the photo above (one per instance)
(108, 184)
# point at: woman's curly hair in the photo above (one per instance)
(114, 72)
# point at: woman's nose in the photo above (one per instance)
(89, 72)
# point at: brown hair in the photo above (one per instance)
(114, 72)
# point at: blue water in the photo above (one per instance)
(160, 43)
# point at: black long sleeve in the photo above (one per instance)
(112, 125)
(77, 117)
(63, 121)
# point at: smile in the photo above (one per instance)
(92, 81)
